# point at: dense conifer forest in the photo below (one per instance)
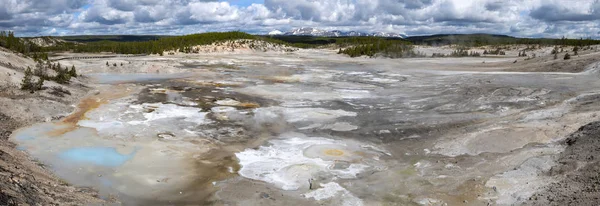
(476, 40)
(151, 47)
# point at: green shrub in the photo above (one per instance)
(73, 72)
(29, 84)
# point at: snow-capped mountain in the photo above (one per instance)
(386, 34)
(355, 33)
(307, 31)
(275, 32)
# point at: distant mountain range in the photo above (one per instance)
(307, 31)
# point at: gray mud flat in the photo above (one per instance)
(314, 128)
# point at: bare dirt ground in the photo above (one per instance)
(537, 60)
(460, 130)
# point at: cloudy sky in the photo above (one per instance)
(523, 18)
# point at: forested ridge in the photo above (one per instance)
(476, 40)
(373, 46)
(351, 46)
(9, 41)
(151, 47)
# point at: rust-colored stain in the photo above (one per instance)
(59, 132)
(84, 106)
(249, 105)
(70, 121)
(334, 152)
(280, 79)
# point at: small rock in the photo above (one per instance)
(264, 195)
(166, 135)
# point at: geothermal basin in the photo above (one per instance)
(312, 128)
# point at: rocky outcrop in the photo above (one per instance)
(237, 46)
(45, 41)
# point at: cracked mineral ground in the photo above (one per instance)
(315, 128)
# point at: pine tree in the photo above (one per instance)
(26, 82)
(73, 72)
(62, 76)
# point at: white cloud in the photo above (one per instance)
(549, 18)
(213, 12)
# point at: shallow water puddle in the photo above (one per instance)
(121, 148)
(101, 156)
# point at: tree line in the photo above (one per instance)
(377, 47)
(9, 41)
(477, 40)
(352, 46)
(158, 46)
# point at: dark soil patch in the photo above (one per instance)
(578, 170)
